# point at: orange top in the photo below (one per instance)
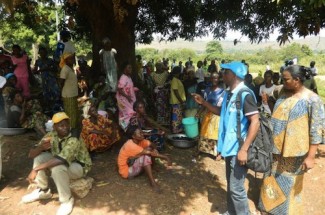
(129, 149)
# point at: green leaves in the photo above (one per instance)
(30, 23)
(213, 49)
(172, 19)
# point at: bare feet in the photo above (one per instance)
(218, 158)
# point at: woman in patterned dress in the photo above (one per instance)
(210, 122)
(46, 66)
(125, 96)
(298, 124)
(26, 114)
(98, 132)
(161, 94)
(177, 100)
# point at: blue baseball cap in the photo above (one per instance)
(238, 68)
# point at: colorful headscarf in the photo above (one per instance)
(64, 56)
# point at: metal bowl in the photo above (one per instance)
(4, 130)
(182, 141)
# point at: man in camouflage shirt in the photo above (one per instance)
(65, 156)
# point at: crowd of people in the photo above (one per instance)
(150, 101)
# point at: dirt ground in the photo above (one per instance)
(190, 188)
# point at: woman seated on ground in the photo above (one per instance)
(26, 114)
(142, 121)
(136, 155)
(98, 132)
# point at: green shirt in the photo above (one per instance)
(70, 149)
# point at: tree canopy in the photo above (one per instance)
(17, 28)
(213, 48)
(129, 21)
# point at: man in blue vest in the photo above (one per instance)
(228, 144)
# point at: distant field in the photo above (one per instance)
(315, 43)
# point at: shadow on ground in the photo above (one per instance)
(111, 194)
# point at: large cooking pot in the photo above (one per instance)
(4, 130)
(182, 141)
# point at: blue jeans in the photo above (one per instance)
(237, 201)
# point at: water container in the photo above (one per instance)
(191, 127)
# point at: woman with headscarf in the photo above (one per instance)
(160, 77)
(69, 85)
(177, 100)
(298, 120)
(108, 63)
(98, 132)
(125, 96)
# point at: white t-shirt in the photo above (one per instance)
(269, 92)
(70, 88)
(200, 75)
(69, 47)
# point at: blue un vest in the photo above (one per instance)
(228, 144)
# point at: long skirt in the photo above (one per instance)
(208, 146)
(281, 193)
(209, 133)
(162, 106)
(177, 116)
(125, 111)
(70, 105)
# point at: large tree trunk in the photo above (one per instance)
(104, 23)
